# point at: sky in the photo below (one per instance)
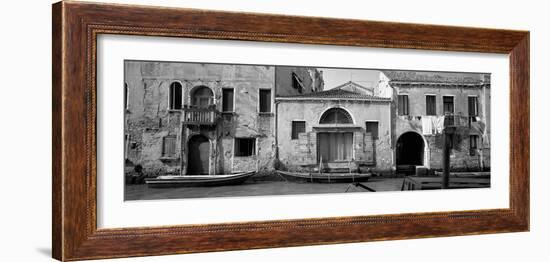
(335, 77)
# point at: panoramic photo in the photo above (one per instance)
(202, 130)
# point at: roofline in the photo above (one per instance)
(433, 83)
(388, 100)
(352, 82)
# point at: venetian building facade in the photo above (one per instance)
(425, 103)
(193, 118)
(189, 118)
(333, 131)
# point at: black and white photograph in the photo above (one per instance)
(202, 130)
(269, 131)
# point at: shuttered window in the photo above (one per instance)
(297, 83)
(403, 105)
(227, 100)
(265, 101)
(430, 105)
(372, 127)
(297, 128)
(169, 146)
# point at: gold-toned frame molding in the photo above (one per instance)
(76, 26)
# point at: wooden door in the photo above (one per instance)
(334, 147)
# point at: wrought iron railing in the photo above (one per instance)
(457, 120)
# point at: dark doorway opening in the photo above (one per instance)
(198, 156)
(409, 152)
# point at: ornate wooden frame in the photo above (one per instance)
(76, 26)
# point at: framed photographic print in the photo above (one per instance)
(181, 130)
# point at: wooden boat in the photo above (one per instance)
(426, 183)
(324, 177)
(198, 180)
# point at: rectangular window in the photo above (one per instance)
(125, 96)
(126, 144)
(297, 128)
(472, 108)
(430, 105)
(372, 127)
(265, 101)
(245, 146)
(448, 105)
(169, 146)
(227, 100)
(403, 105)
(473, 144)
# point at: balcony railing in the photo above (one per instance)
(458, 121)
(200, 116)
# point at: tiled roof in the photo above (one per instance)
(338, 94)
(436, 77)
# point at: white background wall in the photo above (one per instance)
(25, 133)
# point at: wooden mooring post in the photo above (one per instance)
(447, 146)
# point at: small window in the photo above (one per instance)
(227, 100)
(448, 105)
(265, 101)
(169, 146)
(126, 96)
(245, 146)
(472, 108)
(403, 105)
(430, 105)
(297, 128)
(175, 96)
(126, 145)
(473, 144)
(372, 127)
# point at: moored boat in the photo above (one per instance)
(324, 177)
(198, 180)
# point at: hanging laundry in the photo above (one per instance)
(438, 123)
(427, 126)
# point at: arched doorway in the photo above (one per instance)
(336, 143)
(409, 152)
(202, 96)
(198, 159)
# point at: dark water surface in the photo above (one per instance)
(257, 188)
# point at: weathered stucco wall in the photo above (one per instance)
(148, 118)
(302, 153)
(460, 154)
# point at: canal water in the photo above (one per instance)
(257, 188)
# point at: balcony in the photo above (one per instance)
(200, 116)
(457, 121)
